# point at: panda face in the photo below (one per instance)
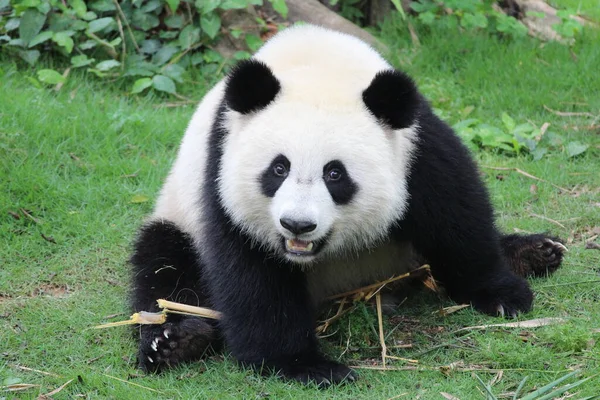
(305, 200)
(308, 182)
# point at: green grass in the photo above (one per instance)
(75, 159)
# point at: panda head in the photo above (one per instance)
(315, 162)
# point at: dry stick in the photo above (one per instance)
(127, 25)
(527, 174)
(124, 47)
(35, 370)
(378, 284)
(171, 306)
(58, 389)
(323, 327)
(28, 215)
(549, 220)
(380, 322)
(134, 384)
(569, 114)
(457, 369)
(59, 85)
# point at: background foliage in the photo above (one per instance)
(152, 41)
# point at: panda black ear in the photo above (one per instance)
(251, 86)
(393, 99)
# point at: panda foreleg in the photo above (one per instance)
(268, 317)
(451, 224)
(165, 265)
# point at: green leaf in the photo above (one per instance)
(173, 5)
(89, 16)
(81, 61)
(145, 21)
(29, 56)
(189, 36)
(151, 6)
(50, 76)
(575, 148)
(32, 22)
(174, 72)
(150, 46)
(508, 122)
(253, 42)
(174, 21)
(280, 7)
(234, 4)
(64, 40)
(164, 54)
(207, 6)
(140, 85)
(139, 198)
(210, 24)
(399, 8)
(12, 24)
(474, 20)
(40, 38)
(103, 5)
(538, 153)
(241, 55)
(163, 84)
(79, 7)
(100, 24)
(107, 65)
(88, 44)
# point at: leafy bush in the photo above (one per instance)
(516, 139)
(151, 41)
(468, 14)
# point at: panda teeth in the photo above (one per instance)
(298, 246)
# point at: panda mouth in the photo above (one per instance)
(299, 247)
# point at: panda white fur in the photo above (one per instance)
(314, 168)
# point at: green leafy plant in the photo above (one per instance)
(568, 27)
(513, 138)
(154, 43)
(469, 15)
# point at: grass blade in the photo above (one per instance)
(548, 387)
(519, 388)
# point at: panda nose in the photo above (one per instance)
(297, 227)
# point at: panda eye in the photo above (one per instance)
(334, 175)
(280, 170)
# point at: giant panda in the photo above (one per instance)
(313, 168)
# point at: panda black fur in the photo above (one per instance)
(312, 169)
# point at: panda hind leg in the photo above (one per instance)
(534, 255)
(166, 265)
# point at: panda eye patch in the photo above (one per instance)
(340, 185)
(274, 175)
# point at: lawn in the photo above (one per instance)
(80, 167)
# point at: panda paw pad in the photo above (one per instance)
(166, 345)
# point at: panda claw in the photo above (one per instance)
(325, 382)
(150, 359)
(500, 310)
(154, 344)
(166, 333)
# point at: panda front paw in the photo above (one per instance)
(505, 296)
(315, 369)
(164, 346)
